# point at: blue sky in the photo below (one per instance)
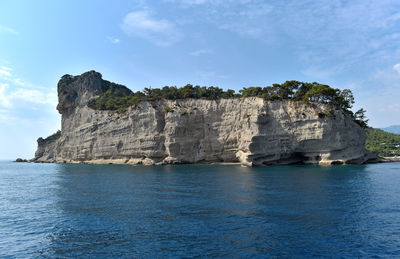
(230, 44)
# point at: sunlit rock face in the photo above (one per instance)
(250, 131)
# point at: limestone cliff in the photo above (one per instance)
(251, 131)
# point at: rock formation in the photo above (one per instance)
(251, 131)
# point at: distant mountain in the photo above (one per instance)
(393, 129)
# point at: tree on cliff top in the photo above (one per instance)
(116, 98)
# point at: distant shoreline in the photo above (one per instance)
(391, 159)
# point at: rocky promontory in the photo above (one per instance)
(247, 130)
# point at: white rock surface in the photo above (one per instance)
(251, 131)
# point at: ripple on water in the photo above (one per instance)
(58, 211)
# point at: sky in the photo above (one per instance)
(231, 44)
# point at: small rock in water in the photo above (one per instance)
(20, 160)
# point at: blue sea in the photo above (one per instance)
(186, 211)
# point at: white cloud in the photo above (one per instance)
(114, 40)
(207, 74)
(319, 73)
(187, 3)
(195, 2)
(243, 29)
(392, 107)
(397, 68)
(5, 71)
(254, 10)
(379, 95)
(34, 96)
(20, 82)
(4, 100)
(7, 75)
(9, 97)
(24, 109)
(340, 34)
(335, 35)
(8, 30)
(200, 52)
(159, 31)
(26, 92)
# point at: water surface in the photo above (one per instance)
(104, 211)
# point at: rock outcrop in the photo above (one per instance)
(251, 131)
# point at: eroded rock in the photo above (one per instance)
(251, 131)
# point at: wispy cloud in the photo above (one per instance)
(14, 90)
(243, 17)
(5, 71)
(8, 30)
(333, 35)
(200, 52)
(396, 68)
(340, 34)
(207, 74)
(34, 96)
(158, 31)
(256, 9)
(6, 75)
(379, 95)
(114, 40)
(318, 73)
(4, 100)
(188, 3)
(331, 40)
(26, 112)
(20, 82)
(13, 97)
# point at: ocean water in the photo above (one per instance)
(185, 211)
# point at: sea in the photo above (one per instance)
(199, 211)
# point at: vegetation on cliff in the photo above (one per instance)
(383, 143)
(52, 137)
(119, 99)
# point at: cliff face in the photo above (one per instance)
(251, 131)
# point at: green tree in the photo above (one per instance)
(228, 94)
(321, 93)
(302, 90)
(360, 118)
(287, 89)
(344, 100)
(119, 98)
(251, 91)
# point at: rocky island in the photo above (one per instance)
(245, 129)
